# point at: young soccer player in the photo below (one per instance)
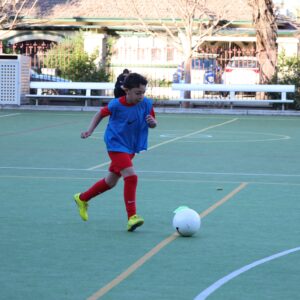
(126, 134)
(118, 90)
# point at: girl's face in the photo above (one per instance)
(135, 95)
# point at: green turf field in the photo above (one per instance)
(241, 173)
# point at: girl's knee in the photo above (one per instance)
(128, 172)
(112, 179)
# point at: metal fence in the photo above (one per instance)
(37, 50)
(208, 66)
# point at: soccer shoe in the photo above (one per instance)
(82, 206)
(134, 222)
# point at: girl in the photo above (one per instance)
(130, 116)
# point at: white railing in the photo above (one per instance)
(227, 94)
(69, 90)
(219, 93)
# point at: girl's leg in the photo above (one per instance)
(130, 185)
(100, 187)
(122, 164)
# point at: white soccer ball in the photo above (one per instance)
(186, 221)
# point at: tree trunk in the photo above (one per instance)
(187, 73)
(266, 34)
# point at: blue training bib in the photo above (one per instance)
(127, 129)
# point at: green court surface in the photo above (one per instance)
(241, 173)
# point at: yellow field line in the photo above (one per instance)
(223, 200)
(158, 247)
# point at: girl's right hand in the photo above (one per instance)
(85, 134)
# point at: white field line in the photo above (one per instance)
(208, 291)
(140, 262)
(222, 173)
(41, 169)
(157, 172)
(180, 180)
(192, 133)
(174, 140)
(99, 166)
(9, 115)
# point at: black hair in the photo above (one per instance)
(134, 80)
(126, 71)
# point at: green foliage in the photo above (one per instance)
(159, 82)
(289, 73)
(72, 62)
(6, 48)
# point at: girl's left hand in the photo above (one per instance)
(151, 121)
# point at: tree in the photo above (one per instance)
(188, 24)
(72, 62)
(11, 12)
(266, 35)
(289, 73)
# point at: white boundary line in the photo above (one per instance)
(173, 140)
(10, 115)
(156, 172)
(98, 166)
(41, 169)
(188, 181)
(192, 133)
(208, 291)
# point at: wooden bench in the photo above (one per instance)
(232, 91)
(69, 90)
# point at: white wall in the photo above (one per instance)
(289, 45)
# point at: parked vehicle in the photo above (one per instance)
(34, 76)
(241, 70)
(204, 69)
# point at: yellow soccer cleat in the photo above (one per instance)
(134, 222)
(82, 206)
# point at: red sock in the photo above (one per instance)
(130, 184)
(98, 188)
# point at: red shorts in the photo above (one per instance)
(120, 161)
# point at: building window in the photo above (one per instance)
(155, 54)
(141, 54)
(170, 54)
